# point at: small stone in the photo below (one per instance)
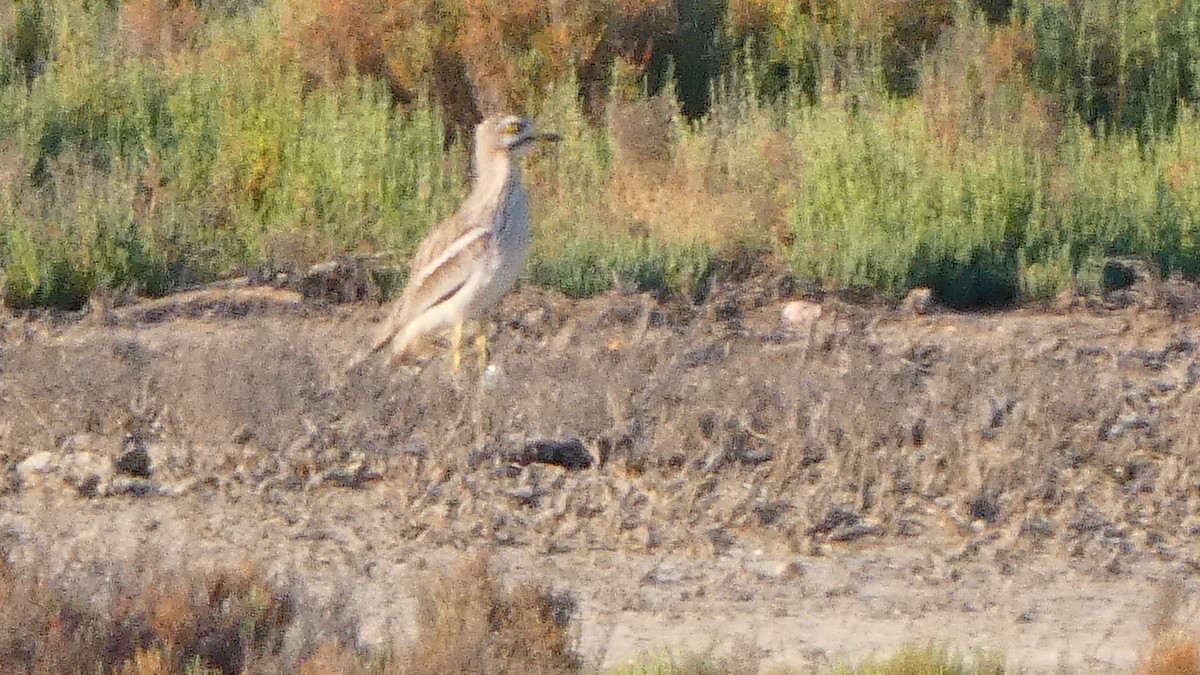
(800, 315)
(34, 468)
(776, 569)
(135, 457)
(89, 473)
(137, 487)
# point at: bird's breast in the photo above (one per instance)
(514, 226)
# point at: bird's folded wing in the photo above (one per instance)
(444, 275)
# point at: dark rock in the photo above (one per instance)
(985, 507)
(135, 457)
(569, 454)
(836, 517)
(918, 433)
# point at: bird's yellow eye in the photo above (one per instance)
(512, 128)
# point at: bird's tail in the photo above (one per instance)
(393, 334)
(381, 341)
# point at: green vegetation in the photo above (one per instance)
(926, 661)
(996, 151)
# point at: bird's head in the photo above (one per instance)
(508, 135)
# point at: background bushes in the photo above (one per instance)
(994, 150)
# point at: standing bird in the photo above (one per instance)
(469, 261)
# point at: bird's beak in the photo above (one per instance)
(552, 138)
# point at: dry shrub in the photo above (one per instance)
(899, 31)
(1174, 651)
(469, 623)
(1179, 656)
(1182, 175)
(223, 621)
(337, 38)
(332, 658)
(146, 662)
(977, 85)
(516, 50)
(221, 618)
(684, 187)
(156, 28)
(43, 630)
(8, 18)
(644, 133)
(477, 56)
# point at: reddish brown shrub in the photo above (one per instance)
(156, 28)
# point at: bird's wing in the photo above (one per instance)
(442, 265)
(441, 238)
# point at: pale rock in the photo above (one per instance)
(34, 468)
(800, 315)
(89, 473)
(775, 569)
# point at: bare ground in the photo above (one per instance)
(1020, 482)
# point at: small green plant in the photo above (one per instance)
(928, 660)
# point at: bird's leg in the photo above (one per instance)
(456, 357)
(481, 343)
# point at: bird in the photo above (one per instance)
(469, 261)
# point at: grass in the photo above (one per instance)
(220, 622)
(996, 156)
(233, 620)
(925, 660)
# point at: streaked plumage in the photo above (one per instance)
(470, 260)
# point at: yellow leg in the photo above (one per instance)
(481, 341)
(456, 357)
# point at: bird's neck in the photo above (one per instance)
(493, 174)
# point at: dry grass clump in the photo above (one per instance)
(469, 623)
(928, 660)
(156, 28)
(744, 660)
(232, 621)
(1174, 651)
(221, 622)
(1176, 656)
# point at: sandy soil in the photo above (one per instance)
(817, 491)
